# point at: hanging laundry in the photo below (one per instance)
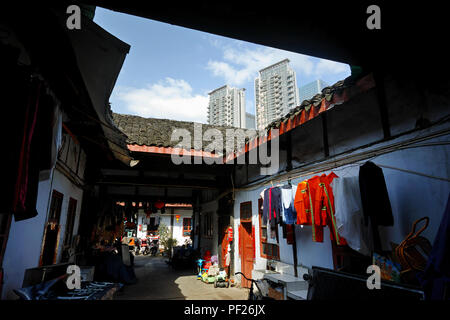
(27, 166)
(374, 195)
(275, 206)
(375, 200)
(266, 205)
(327, 207)
(349, 215)
(314, 203)
(304, 206)
(289, 215)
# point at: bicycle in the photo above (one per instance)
(251, 294)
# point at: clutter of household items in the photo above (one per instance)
(353, 208)
(210, 272)
(51, 283)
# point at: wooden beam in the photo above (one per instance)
(164, 182)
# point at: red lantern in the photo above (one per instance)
(177, 217)
(159, 204)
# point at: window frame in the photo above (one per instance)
(207, 225)
(54, 214)
(189, 229)
(275, 248)
(70, 222)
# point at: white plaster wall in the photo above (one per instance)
(69, 190)
(209, 243)
(412, 197)
(24, 244)
(25, 238)
(165, 219)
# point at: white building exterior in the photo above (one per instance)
(276, 93)
(178, 227)
(309, 90)
(26, 243)
(227, 107)
(250, 120)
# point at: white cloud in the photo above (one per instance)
(168, 99)
(330, 67)
(240, 65)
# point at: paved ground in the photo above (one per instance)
(159, 281)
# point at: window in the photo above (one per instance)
(187, 227)
(55, 207)
(268, 250)
(246, 211)
(207, 225)
(71, 212)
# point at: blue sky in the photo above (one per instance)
(170, 70)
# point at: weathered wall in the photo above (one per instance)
(209, 242)
(25, 239)
(354, 128)
(412, 196)
(165, 218)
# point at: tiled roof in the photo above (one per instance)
(149, 132)
(158, 132)
(333, 95)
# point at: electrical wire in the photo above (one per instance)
(413, 172)
(365, 156)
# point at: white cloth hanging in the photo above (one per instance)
(349, 214)
(287, 199)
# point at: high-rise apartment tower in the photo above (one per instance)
(276, 93)
(227, 107)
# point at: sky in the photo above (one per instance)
(170, 70)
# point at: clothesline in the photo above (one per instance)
(350, 160)
(413, 172)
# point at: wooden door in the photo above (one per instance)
(50, 242)
(247, 252)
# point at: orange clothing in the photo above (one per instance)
(328, 208)
(314, 204)
(301, 204)
(304, 206)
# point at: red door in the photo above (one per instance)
(247, 253)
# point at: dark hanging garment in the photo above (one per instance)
(374, 195)
(275, 207)
(27, 179)
(266, 206)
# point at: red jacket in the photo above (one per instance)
(314, 203)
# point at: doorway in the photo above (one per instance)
(247, 252)
(52, 229)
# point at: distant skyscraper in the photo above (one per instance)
(276, 93)
(227, 107)
(311, 89)
(250, 121)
